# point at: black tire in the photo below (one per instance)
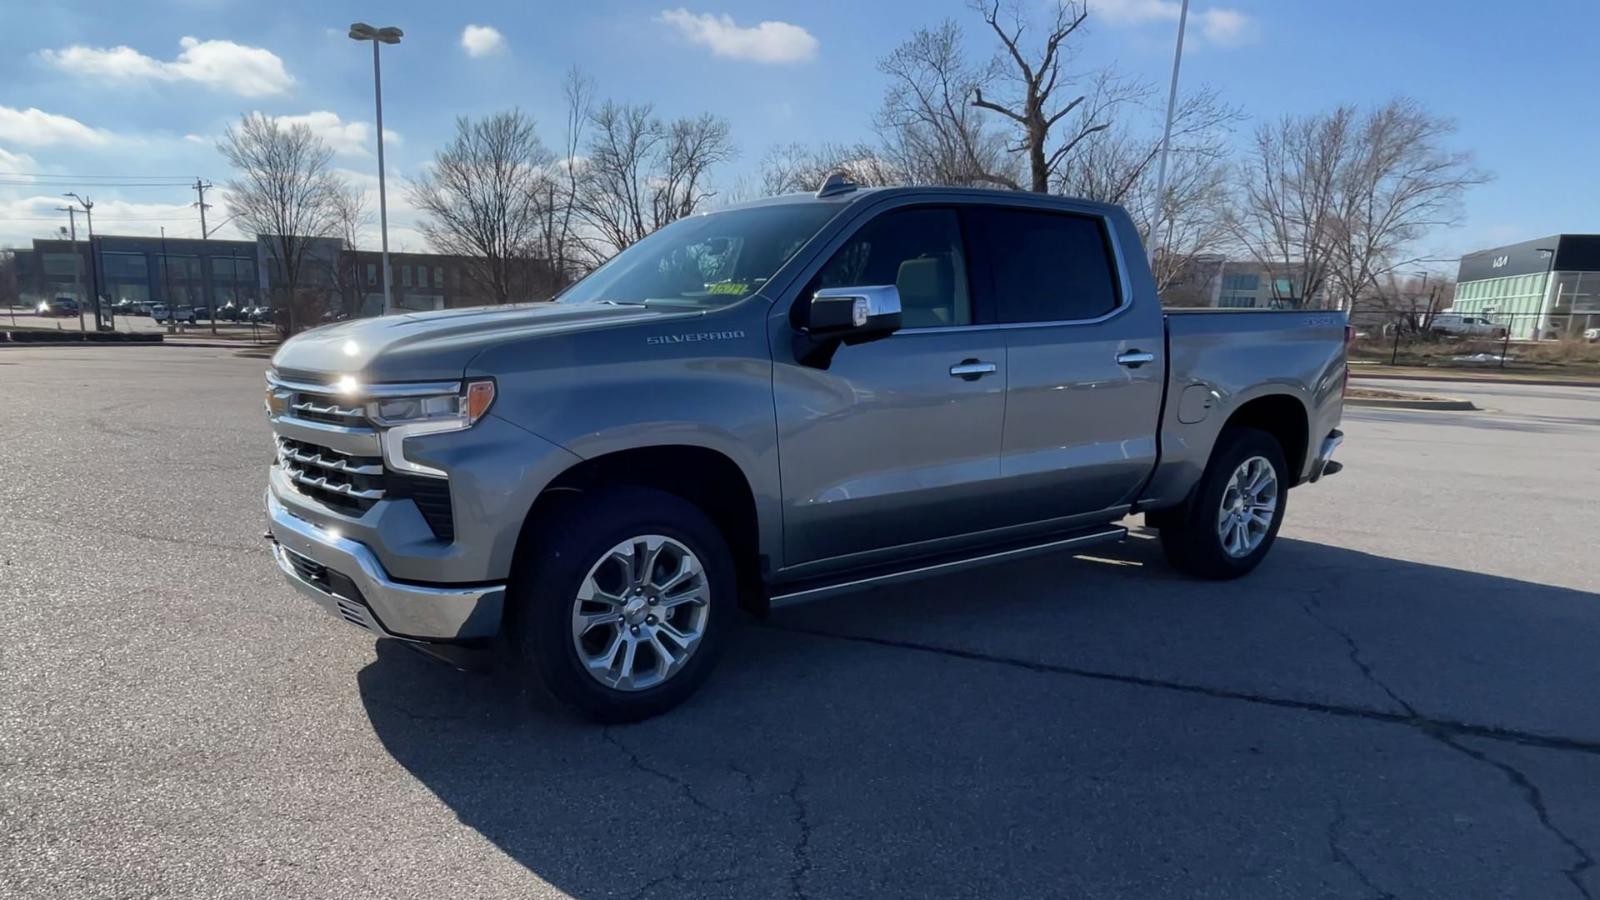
(555, 563)
(1189, 535)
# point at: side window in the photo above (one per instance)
(1044, 266)
(917, 250)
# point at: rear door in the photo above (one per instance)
(1085, 363)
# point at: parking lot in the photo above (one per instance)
(1400, 703)
(127, 322)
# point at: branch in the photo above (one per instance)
(978, 101)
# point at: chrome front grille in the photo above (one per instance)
(348, 483)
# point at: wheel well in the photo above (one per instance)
(704, 477)
(1283, 417)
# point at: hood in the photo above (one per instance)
(432, 346)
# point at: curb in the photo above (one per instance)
(1478, 379)
(1443, 404)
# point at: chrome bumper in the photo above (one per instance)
(382, 605)
(1324, 463)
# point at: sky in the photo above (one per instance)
(94, 93)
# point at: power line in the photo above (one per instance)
(181, 179)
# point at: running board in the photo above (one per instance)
(801, 594)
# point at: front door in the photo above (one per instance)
(896, 441)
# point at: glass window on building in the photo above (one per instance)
(60, 263)
(1243, 281)
(372, 273)
(124, 265)
(405, 276)
(438, 276)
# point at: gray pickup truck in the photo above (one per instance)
(777, 402)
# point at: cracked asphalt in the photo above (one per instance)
(1399, 703)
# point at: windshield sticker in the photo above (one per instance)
(728, 287)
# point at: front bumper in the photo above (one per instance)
(345, 577)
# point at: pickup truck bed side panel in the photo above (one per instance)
(1225, 353)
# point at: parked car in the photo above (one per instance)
(144, 308)
(261, 315)
(202, 312)
(161, 313)
(1592, 335)
(776, 402)
(1465, 325)
(60, 307)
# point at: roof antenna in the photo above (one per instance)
(835, 184)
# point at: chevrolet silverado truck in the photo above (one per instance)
(776, 402)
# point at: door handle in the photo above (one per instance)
(972, 369)
(1133, 359)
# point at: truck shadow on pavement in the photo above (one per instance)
(1068, 726)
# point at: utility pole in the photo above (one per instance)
(77, 263)
(200, 186)
(94, 262)
(166, 283)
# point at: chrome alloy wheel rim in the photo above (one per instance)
(640, 612)
(1248, 506)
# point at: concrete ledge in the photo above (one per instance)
(1513, 376)
(39, 336)
(1438, 403)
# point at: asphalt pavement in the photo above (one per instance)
(1399, 703)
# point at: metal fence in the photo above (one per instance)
(1532, 341)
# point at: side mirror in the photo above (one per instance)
(854, 314)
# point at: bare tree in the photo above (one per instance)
(10, 289)
(1290, 181)
(482, 198)
(930, 131)
(642, 173)
(1031, 79)
(796, 168)
(1399, 182)
(352, 217)
(1340, 199)
(559, 238)
(1118, 166)
(286, 192)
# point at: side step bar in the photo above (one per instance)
(804, 593)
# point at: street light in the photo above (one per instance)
(1166, 135)
(361, 31)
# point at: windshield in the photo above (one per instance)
(706, 261)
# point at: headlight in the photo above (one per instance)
(461, 410)
(400, 418)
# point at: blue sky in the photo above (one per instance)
(1518, 81)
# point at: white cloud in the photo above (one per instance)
(345, 138)
(482, 40)
(23, 218)
(36, 128)
(18, 164)
(1216, 25)
(765, 42)
(220, 65)
(196, 139)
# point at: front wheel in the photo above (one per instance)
(621, 606)
(1232, 520)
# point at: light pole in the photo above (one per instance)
(1166, 135)
(361, 31)
(94, 266)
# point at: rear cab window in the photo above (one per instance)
(1041, 266)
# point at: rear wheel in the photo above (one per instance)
(621, 606)
(1232, 520)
